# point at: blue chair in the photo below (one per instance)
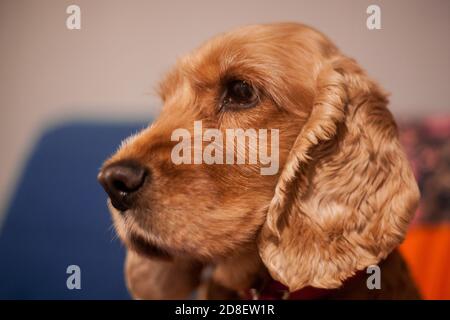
(58, 217)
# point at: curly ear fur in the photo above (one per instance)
(346, 193)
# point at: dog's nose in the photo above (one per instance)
(121, 181)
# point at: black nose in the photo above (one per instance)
(121, 180)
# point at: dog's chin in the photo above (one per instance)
(143, 247)
(133, 240)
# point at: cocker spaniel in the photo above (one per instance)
(341, 200)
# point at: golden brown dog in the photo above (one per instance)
(341, 201)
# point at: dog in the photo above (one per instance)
(341, 201)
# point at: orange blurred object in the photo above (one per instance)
(427, 251)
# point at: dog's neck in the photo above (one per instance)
(241, 271)
(244, 276)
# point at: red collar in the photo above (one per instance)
(274, 290)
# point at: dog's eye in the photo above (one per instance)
(239, 94)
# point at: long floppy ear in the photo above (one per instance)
(346, 193)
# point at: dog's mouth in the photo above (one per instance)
(133, 240)
(145, 248)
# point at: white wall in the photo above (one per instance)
(108, 69)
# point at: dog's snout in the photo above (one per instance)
(121, 181)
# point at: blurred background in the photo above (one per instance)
(68, 97)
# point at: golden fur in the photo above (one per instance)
(342, 200)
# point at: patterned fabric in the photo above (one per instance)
(427, 144)
(427, 244)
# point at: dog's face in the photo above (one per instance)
(284, 77)
(209, 210)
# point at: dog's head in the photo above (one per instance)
(344, 193)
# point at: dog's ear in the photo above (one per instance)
(346, 193)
